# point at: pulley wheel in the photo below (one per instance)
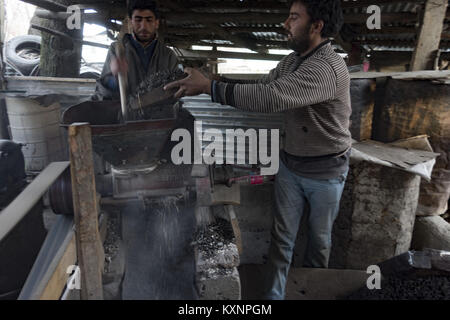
(61, 194)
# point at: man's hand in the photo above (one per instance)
(195, 83)
(118, 65)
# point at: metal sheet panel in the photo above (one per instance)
(223, 117)
(71, 90)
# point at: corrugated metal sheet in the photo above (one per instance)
(71, 91)
(223, 117)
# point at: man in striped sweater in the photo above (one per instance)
(311, 86)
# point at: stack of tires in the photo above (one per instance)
(22, 54)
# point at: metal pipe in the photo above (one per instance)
(22, 204)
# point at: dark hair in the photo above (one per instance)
(143, 5)
(329, 11)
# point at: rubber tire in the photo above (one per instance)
(17, 43)
(89, 75)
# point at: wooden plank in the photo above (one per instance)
(235, 225)
(54, 248)
(58, 280)
(89, 247)
(429, 35)
(226, 195)
(23, 203)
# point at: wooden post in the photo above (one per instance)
(59, 57)
(429, 35)
(89, 248)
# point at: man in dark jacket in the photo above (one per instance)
(311, 86)
(144, 53)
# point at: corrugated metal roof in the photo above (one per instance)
(265, 16)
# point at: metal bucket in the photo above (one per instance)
(37, 127)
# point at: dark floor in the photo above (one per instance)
(251, 276)
(304, 283)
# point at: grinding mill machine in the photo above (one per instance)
(132, 157)
(156, 198)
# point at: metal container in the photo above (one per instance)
(37, 127)
(124, 145)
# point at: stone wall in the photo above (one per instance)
(376, 217)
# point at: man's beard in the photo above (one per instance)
(301, 43)
(151, 38)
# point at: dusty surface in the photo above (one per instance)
(111, 244)
(159, 255)
(216, 252)
(217, 259)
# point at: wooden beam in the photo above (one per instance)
(196, 38)
(185, 43)
(281, 6)
(69, 38)
(93, 18)
(429, 35)
(383, 59)
(58, 280)
(204, 30)
(236, 5)
(350, 4)
(396, 43)
(274, 18)
(89, 248)
(46, 4)
(48, 276)
(214, 27)
(235, 226)
(199, 54)
(359, 31)
(264, 4)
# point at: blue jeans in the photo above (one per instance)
(291, 194)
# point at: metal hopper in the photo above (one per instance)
(124, 145)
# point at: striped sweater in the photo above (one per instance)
(312, 91)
